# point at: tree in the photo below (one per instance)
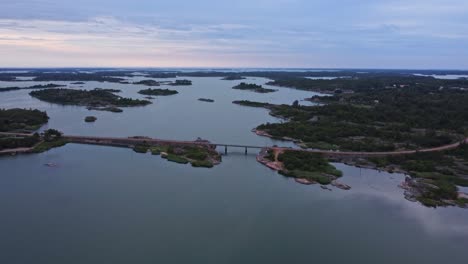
(52, 134)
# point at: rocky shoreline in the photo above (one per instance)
(262, 158)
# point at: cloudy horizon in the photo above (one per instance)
(284, 33)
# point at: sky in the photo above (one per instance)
(410, 34)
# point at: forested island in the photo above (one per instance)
(148, 83)
(93, 98)
(253, 87)
(181, 83)
(158, 92)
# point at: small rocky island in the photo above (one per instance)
(253, 87)
(158, 92)
(198, 156)
(90, 119)
(94, 99)
(206, 100)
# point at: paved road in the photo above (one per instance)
(387, 153)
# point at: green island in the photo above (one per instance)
(158, 92)
(197, 156)
(206, 100)
(90, 119)
(148, 83)
(253, 87)
(94, 99)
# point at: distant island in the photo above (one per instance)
(233, 78)
(251, 103)
(112, 109)
(181, 83)
(158, 92)
(39, 86)
(94, 98)
(148, 83)
(108, 90)
(253, 87)
(206, 100)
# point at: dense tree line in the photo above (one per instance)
(7, 142)
(21, 119)
(86, 98)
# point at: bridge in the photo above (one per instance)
(118, 141)
(132, 141)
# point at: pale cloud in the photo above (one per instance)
(243, 33)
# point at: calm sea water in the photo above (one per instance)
(111, 205)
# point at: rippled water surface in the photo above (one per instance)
(111, 205)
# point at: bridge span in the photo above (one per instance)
(132, 141)
(153, 141)
(118, 141)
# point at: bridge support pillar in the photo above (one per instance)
(246, 151)
(225, 150)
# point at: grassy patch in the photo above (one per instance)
(202, 163)
(176, 159)
(47, 145)
(141, 148)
